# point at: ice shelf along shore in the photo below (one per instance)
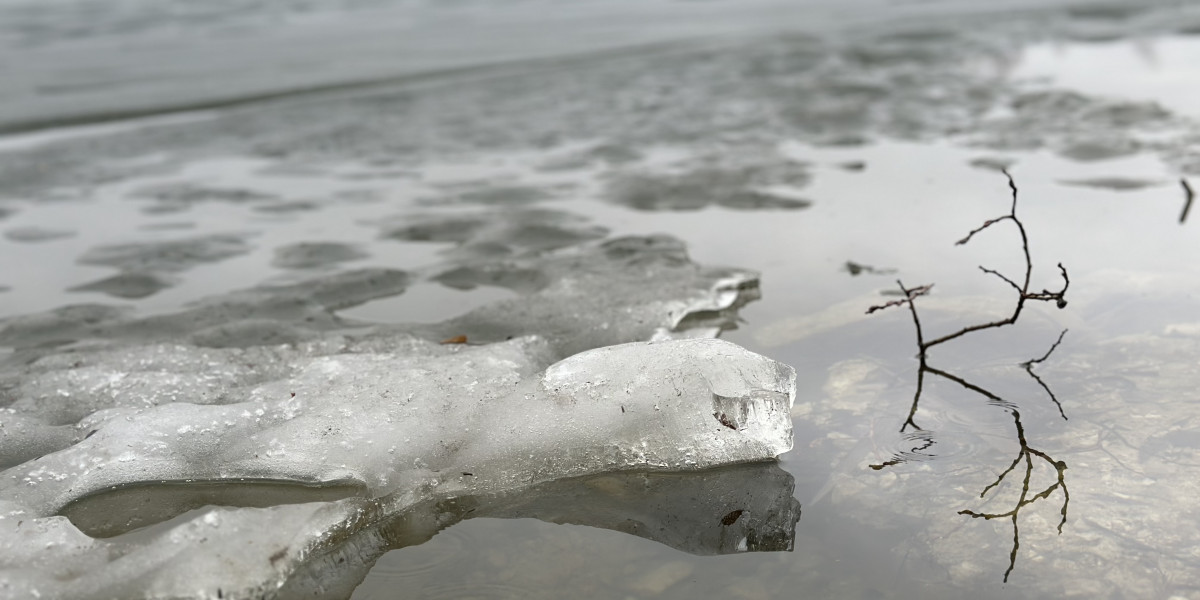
(192, 460)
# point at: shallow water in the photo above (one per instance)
(794, 154)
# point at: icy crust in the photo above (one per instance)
(674, 405)
(393, 420)
(470, 420)
(387, 419)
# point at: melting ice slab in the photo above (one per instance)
(187, 455)
(403, 427)
(676, 405)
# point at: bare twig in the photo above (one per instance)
(1029, 363)
(912, 307)
(1022, 290)
(908, 296)
(1189, 195)
(1028, 366)
(1026, 453)
(1058, 297)
(1001, 276)
(912, 412)
(1012, 213)
(986, 224)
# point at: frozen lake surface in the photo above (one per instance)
(212, 210)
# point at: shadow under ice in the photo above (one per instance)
(729, 510)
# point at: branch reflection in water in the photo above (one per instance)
(1027, 453)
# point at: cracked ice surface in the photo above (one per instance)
(385, 417)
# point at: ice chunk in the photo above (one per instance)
(391, 420)
(643, 405)
(321, 450)
(392, 429)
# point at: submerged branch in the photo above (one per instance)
(1026, 453)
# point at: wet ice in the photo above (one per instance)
(404, 424)
(387, 414)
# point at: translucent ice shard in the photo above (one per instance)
(640, 405)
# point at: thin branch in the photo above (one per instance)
(912, 412)
(1029, 363)
(1028, 366)
(908, 296)
(911, 295)
(1026, 453)
(1012, 213)
(1016, 461)
(986, 224)
(1058, 297)
(1001, 276)
(995, 400)
(1025, 499)
(1189, 195)
(1023, 292)
(1045, 387)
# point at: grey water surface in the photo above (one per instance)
(256, 175)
